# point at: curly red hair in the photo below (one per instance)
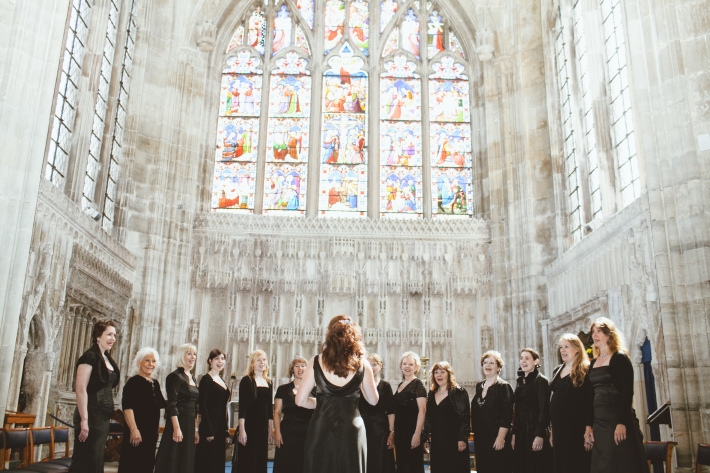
(342, 350)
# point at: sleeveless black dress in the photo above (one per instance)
(336, 440)
(288, 458)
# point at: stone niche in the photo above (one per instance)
(275, 282)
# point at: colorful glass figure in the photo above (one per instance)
(392, 43)
(359, 24)
(388, 8)
(435, 34)
(257, 30)
(282, 30)
(237, 39)
(306, 9)
(410, 33)
(334, 22)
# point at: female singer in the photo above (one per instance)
(491, 417)
(616, 438)
(531, 439)
(96, 375)
(176, 453)
(448, 418)
(409, 415)
(256, 416)
(214, 396)
(336, 439)
(141, 402)
(290, 433)
(569, 408)
(379, 423)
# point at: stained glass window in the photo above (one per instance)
(334, 22)
(257, 30)
(282, 30)
(344, 136)
(306, 9)
(359, 23)
(388, 8)
(435, 34)
(450, 142)
(400, 138)
(410, 33)
(65, 107)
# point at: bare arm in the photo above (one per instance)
(136, 438)
(368, 386)
(390, 437)
(416, 439)
(278, 406)
(83, 373)
(303, 398)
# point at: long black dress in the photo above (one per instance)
(88, 456)
(336, 440)
(445, 456)
(255, 407)
(145, 399)
(406, 410)
(532, 419)
(380, 459)
(213, 412)
(488, 415)
(178, 457)
(613, 397)
(294, 428)
(569, 413)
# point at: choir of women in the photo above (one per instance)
(379, 422)
(96, 375)
(290, 432)
(448, 419)
(492, 417)
(580, 422)
(570, 408)
(615, 437)
(142, 401)
(256, 415)
(176, 453)
(214, 432)
(409, 415)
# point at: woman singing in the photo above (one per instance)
(409, 415)
(492, 417)
(531, 439)
(96, 375)
(616, 438)
(256, 416)
(379, 423)
(448, 418)
(176, 453)
(290, 432)
(141, 402)
(570, 408)
(336, 439)
(214, 432)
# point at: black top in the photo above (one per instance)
(578, 400)
(289, 409)
(177, 387)
(99, 372)
(532, 404)
(248, 395)
(383, 408)
(494, 411)
(622, 377)
(213, 408)
(144, 398)
(458, 398)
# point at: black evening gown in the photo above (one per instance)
(568, 416)
(444, 454)
(532, 419)
(178, 457)
(146, 400)
(294, 428)
(88, 456)
(406, 410)
(213, 413)
(336, 440)
(488, 415)
(256, 412)
(380, 459)
(607, 457)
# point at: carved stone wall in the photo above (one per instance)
(274, 283)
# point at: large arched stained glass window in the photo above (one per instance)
(335, 87)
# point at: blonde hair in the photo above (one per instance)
(183, 350)
(446, 366)
(616, 342)
(294, 362)
(580, 365)
(375, 358)
(413, 356)
(250, 368)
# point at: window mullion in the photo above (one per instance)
(426, 134)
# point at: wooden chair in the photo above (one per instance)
(18, 439)
(471, 451)
(660, 452)
(112, 452)
(18, 419)
(703, 457)
(43, 436)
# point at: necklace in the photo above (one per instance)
(602, 355)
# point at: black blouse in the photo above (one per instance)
(213, 408)
(622, 376)
(247, 396)
(99, 372)
(177, 387)
(495, 410)
(532, 404)
(383, 408)
(289, 409)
